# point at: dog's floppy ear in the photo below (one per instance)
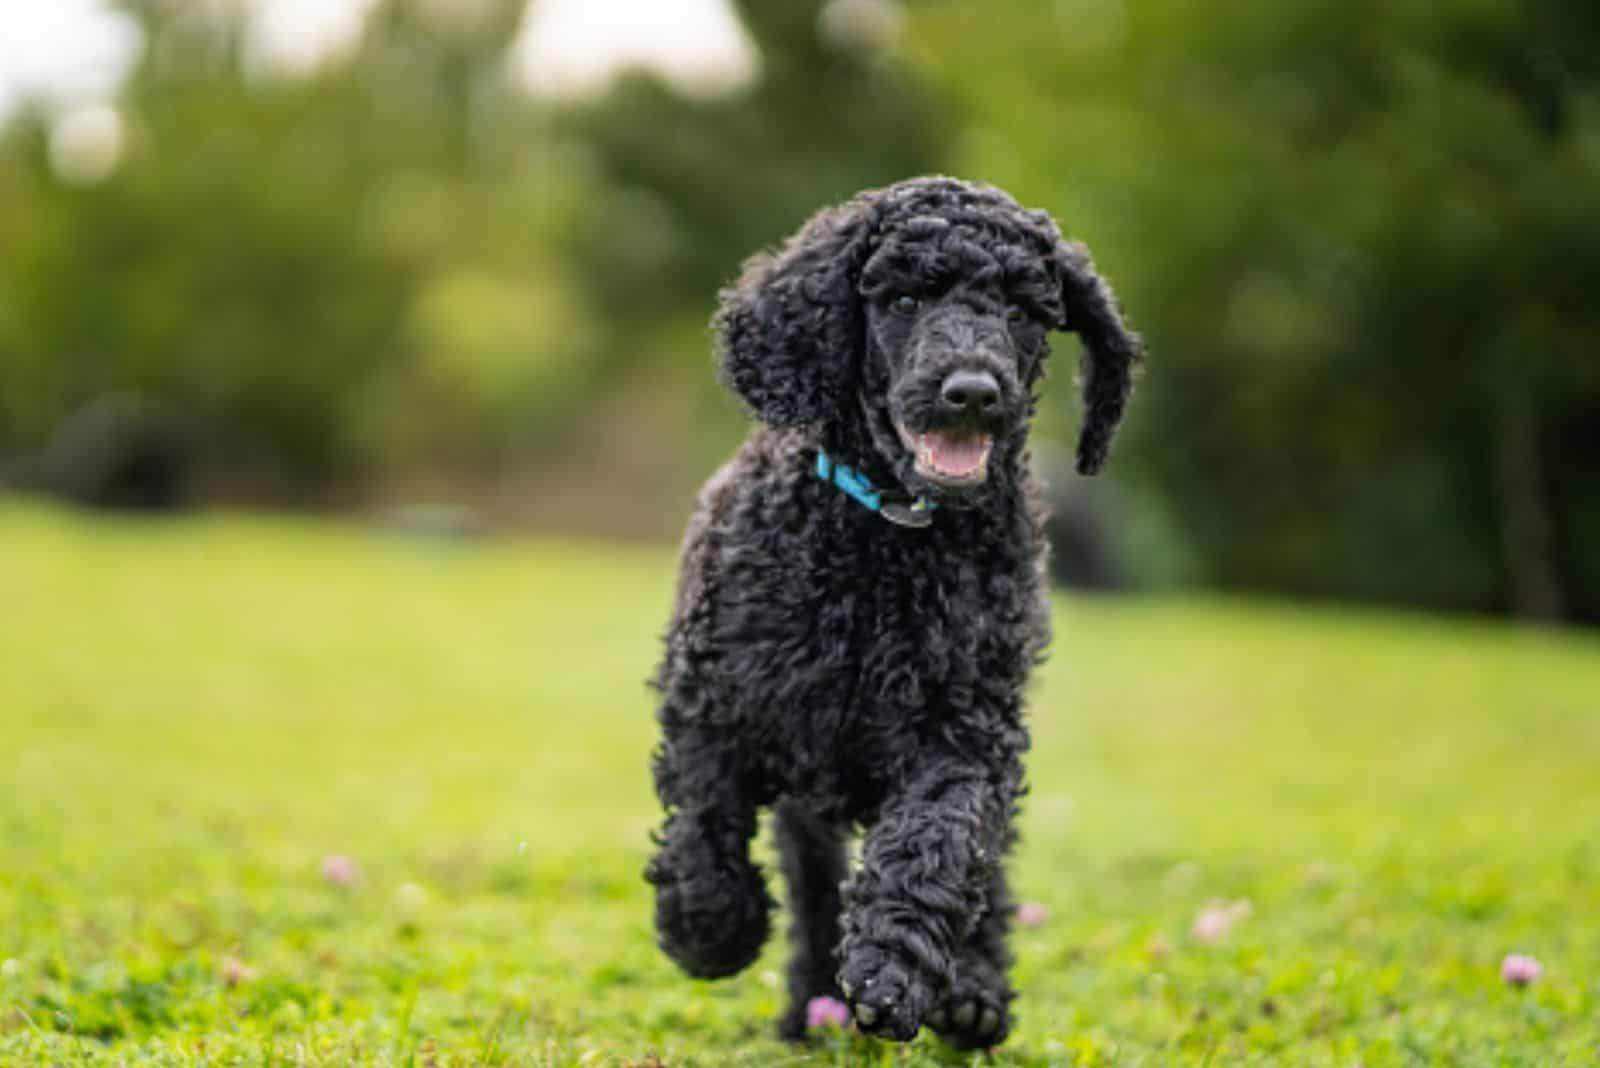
(790, 330)
(1110, 350)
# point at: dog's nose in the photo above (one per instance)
(971, 392)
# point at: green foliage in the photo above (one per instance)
(198, 712)
(695, 187)
(1356, 236)
(319, 274)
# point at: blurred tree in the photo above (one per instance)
(692, 186)
(1360, 239)
(316, 271)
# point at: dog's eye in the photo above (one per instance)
(905, 304)
(1015, 313)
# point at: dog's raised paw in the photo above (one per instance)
(711, 926)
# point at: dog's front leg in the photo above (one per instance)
(712, 903)
(926, 867)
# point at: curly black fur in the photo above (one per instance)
(854, 673)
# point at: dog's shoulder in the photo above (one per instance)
(764, 476)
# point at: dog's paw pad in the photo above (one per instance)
(973, 1017)
(886, 997)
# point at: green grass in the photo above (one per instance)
(193, 714)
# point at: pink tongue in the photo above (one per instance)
(957, 455)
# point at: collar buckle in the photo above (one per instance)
(917, 514)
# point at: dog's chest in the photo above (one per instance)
(862, 655)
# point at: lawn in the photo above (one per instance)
(195, 715)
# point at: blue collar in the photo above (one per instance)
(918, 513)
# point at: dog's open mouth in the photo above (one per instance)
(949, 457)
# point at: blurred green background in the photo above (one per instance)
(444, 267)
(1361, 238)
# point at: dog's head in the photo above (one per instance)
(923, 309)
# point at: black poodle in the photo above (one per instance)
(862, 598)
